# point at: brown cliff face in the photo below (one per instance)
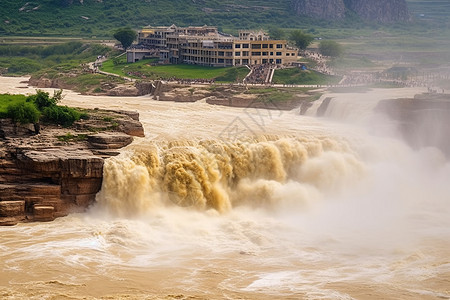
(45, 184)
(42, 178)
(323, 9)
(382, 11)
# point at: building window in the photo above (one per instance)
(237, 53)
(279, 46)
(237, 46)
(245, 61)
(221, 53)
(278, 61)
(256, 46)
(287, 54)
(265, 53)
(256, 53)
(271, 53)
(271, 46)
(237, 61)
(221, 60)
(245, 46)
(278, 53)
(265, 46)
(264, 61)
(244, 53)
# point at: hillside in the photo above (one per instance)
(99, 17)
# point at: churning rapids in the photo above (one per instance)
(230, 203)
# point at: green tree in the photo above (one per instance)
(23, 112)
(125, 36)
(42, 99)
(276, 33)
(301, 39)
(330, 48)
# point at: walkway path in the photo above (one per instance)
(94, 66)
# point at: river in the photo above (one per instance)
(231, 203)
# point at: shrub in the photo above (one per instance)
(43, 100)
(61, 115)
(23, 112)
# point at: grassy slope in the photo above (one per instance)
(144, 69)
(297, 76)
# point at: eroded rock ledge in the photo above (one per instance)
(60, 170)
(423, 121)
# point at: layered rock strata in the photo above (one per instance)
(42, 177)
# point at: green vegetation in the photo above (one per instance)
(271, 94)
(23, 112)
(107, 119)
(301, 40)
(69, 137)
(276, 33)
(368, 46)
(29, 109)
(125, 36)
(330, 48)
(62, 115)
(235, 74)
(98, 18)
(7, 100)
(91, 18)
(42, 99)
(19, 108)
(21, 60)
(147, 69)
(298, 76)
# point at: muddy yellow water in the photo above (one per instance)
(245, 203)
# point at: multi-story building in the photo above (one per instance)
(207, 46)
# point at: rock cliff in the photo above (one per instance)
(423, 121)
(324, 9)
(54, 173)
(382, 11)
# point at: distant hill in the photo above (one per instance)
(101, 17)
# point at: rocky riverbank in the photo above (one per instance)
(423, 120)
(215, 94)
(58, 171)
